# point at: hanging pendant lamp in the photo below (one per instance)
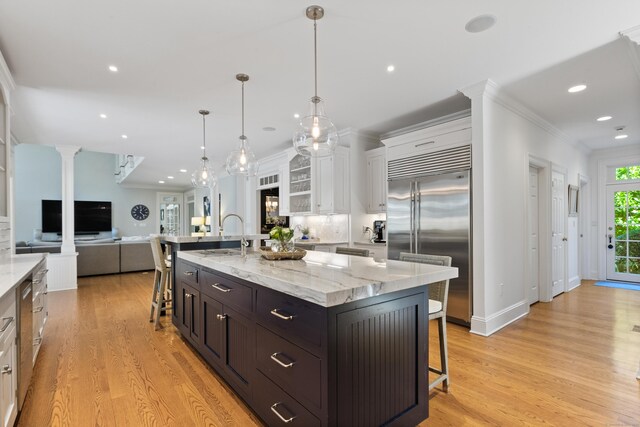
(204, 176)
(316, 135)
(242, 161)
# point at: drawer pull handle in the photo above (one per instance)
(280, 316)
(188, 295)
(37, 341)
(281, 363)
(36, 281)
(275, 411)
(38, 309)
(424, 143)
(6, 369)
(221, 317)
(217, 287)
(189, 273)
(7, 321)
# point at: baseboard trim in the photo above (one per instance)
(489, 325)
(574, 282)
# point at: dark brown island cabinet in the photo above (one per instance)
(296, 363)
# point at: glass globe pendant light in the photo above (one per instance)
(204, 176)
(316, 135)
(242, 161)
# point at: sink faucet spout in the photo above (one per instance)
(243, 240)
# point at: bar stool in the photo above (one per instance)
(161, 282)
(352, 251)
(438, 295)
(306, 246)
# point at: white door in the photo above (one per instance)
(558, 236)
(623, 232)
(534, 238)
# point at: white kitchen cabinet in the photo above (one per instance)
(319, 186)
(376, 180)
(8, 361)
(40, 310)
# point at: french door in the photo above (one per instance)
(623, 232)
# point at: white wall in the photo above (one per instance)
(505, 134)
(38, 177)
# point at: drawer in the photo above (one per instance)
(419, 143)
(295, 370)
(277, 408)
(226, 290)
(187, 273)
(294, 317)
(7, 313)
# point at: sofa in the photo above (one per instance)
(101, 258)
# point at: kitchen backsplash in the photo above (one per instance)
(323, 227)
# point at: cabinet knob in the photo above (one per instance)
(6, 369)
(221, 317)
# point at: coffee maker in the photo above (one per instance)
(380, 231)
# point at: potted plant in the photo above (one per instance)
(305, 233)
(283, 239)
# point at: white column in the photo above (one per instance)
(63, 267)
(68, 153)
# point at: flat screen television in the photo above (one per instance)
(90, 217)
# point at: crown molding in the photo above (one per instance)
(633, 34)
(5, 78)
(633, 47)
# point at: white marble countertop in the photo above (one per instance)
(196, 239)
(326, 279)
(13, 270)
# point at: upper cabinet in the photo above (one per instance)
(319, 186)
(376, 180)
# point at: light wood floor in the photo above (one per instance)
(571, 362)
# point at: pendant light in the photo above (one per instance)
(242, 161)
(204, 176)
(316, 135)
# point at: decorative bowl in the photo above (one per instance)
(269, 254)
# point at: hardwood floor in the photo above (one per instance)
(570, 362)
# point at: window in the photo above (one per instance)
(628, 173)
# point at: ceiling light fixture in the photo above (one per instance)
(391, 68)
(161, 182)
(124, 136)
(204, 176)
(604, 118)
(183, 170)
(316, 135)
(577, 88)
(622, 136)
(170, 177)
(113, 68)
(242, 161)
(296, 116)
(103, 116)
(480, 23)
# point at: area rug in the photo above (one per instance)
(619, 285)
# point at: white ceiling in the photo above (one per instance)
(178, 57)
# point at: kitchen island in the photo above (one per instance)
(328, 340)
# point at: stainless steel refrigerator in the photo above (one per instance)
(432, 215)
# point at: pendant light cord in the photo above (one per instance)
(243, 110)
(315, 67)
(204, 139)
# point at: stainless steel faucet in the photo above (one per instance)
(243, 240)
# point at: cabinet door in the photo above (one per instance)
(376, 184)
(8, 380)
(240, 347)
(190, 317)
(324, 184)
(213, 330)
(332, 184)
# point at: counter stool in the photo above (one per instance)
(438, 295)
(161, 282)
(352, 251)
(306, 246)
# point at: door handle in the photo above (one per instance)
(564, 239)
(610, 245)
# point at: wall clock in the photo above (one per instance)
(140, 212)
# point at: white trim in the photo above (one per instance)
(573, 283)
(544, 224)
(633, 34)
(6, 78)
(427, 133)
(584, 229)
(63, 271)
(634, 56)
(495, 322)
(427, 124)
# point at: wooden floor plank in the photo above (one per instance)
(569, 362)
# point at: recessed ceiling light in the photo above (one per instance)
(161, 182)
(296, 116)
(202, 147)
(183, 170)
(577, 88)
(113, 68)
(103, 116)
(604, 118)
(623, 136)
(268, 128)
(480, 23)
(170, 177)
(390, 68)
(124, 136)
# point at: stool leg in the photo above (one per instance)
(154, 294)
(444, 364)
(161, 291)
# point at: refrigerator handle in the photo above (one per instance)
(411, 212)
(416, 216)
